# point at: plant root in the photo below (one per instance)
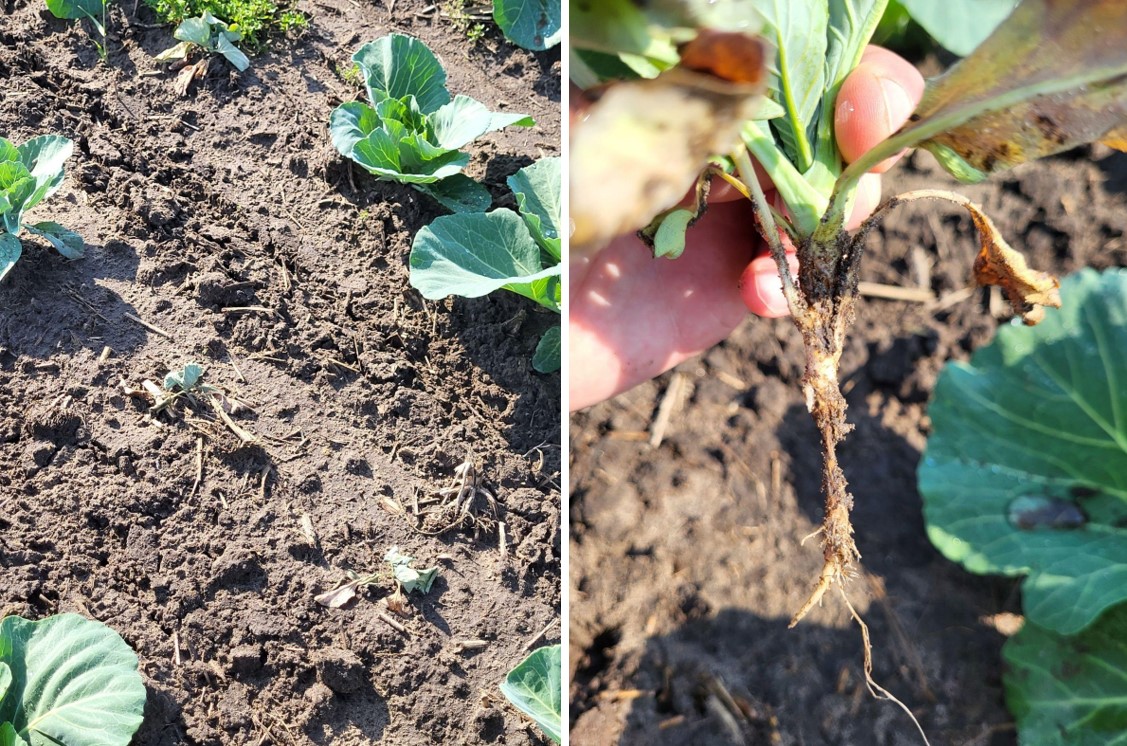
(828, 296)
(822, 304)
(827, 405)
(875, 689)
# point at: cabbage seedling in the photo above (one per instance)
(473, 254)
(532, 25)
(30, 173)
(1025, 474)
(534, 686)
(412, 130)
(1052, 76)
(407, 579)
(94, 10)
(187, 383)
(209, 34)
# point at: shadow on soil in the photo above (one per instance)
(46, 298)
(1114, 168)
(739, 678)
(732, 676)
(500, 334)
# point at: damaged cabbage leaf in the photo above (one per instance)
(1028, 290)
(410, 578)
(1053, 76)
(1038, 420)
(644, 142)
(1058, 101)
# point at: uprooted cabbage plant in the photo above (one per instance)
(704, 87)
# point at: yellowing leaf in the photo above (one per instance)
(1053, 76)
(1116, 139)
(1028, 290)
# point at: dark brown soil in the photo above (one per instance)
(362, 395)
(687, 559)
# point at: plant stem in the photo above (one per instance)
(828, 271)
(806, 204)
(767, 227)
(823, 311)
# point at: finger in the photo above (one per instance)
(633, 316)
(577, 103)
(865, 201)
(762, 289)
(874, 101)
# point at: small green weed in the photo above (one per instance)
(349, 74)
(466, 20)
(254, 19)
(476, 32)
(354, 75)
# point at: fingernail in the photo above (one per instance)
(897, 103)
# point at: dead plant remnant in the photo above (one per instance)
(464, 504)
(408, 579)
(186, 384)
(345, 592)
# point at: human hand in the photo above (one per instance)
(632, 317)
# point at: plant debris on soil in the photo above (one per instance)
(223, 229)
(686, 557)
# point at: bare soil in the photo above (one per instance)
(226, 220)
(687, 560)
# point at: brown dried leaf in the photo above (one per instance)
(1027, 290)
(187, 74)
(642, 145)
(397, 602)
(338, 596)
